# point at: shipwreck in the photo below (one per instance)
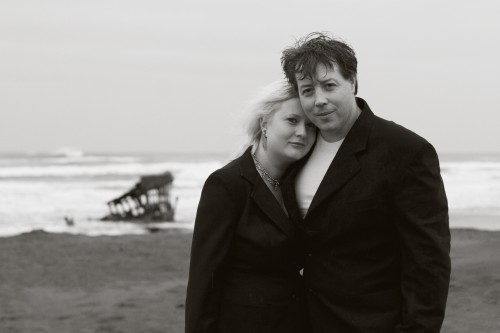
(148, 201)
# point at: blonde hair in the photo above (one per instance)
(262, 107)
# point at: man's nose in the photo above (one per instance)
(320, 98)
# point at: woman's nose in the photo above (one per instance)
(300, 129)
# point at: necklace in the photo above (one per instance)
(265, 175)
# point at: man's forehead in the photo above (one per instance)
(319, 74)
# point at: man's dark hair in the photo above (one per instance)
(319, 48)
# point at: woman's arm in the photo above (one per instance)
(213, 232)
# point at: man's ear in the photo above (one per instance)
(354, 85)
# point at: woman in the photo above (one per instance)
(244, 271)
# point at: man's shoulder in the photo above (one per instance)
(388, 132)
(397, 148)
(396, 135)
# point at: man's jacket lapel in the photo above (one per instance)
(345, 165)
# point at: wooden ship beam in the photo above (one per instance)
(149, 200)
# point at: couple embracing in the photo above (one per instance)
(332, 220)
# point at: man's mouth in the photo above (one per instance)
(324, 113)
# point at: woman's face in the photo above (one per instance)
(290, 134)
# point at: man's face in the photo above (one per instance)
(328, 101)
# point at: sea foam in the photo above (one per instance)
(38, 191)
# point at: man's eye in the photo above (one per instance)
(311, 125)
(331, 85)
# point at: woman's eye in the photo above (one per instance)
(311, 125)
(292, 120)
(306, 92)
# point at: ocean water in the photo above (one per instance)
(37, 191)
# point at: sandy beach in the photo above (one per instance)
(65, 283)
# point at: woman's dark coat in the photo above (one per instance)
(244, 272)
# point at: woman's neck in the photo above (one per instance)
(273, 166)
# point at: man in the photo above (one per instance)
(370, 202)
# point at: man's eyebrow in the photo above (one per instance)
(326, 80)
(311, 81)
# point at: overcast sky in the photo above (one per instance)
(171, 76)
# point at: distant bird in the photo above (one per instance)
(153, 229)
(69, 221)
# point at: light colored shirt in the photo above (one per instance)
(313, 172)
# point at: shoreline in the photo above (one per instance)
(462, 220)
(487, 222)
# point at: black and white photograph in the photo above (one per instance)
(249, 166)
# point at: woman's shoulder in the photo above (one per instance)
(231, 172)
(234, 168)
(229, 179)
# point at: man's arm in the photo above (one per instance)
(421, 211)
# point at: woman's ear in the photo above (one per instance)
(263, 124)
(263, 137)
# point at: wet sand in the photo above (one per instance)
(64, 283)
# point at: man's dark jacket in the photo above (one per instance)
(376, 235)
